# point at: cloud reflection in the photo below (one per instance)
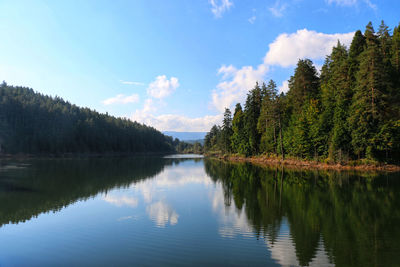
(172, 177)
(235, 224)
(162, 214)
(283, 251)
(120, 201)
(232, 221)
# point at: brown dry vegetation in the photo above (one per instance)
(295, 163)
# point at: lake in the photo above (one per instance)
(192, 211)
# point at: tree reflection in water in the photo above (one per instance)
(349, 219)
(312, 218)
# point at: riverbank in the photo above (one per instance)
(264, 160)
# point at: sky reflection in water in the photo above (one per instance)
(171, 211)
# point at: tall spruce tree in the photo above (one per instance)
(251, 114)
(239, 142)
(212, 138)
(335, 97)
(396, 50)
(267, 124)
(303, 96)
(226, 131)
(385, 42)
(368, 111)
(303, 85)
(357, 46)
(395, 60)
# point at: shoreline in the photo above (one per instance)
(22, 156)
(305, 164)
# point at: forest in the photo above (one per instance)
(32, 123)
(348, 111)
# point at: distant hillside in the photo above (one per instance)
(186, 136)
(33, 123)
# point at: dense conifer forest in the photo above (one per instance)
(32, 123)
(350, 111)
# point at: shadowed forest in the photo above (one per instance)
(33, 123)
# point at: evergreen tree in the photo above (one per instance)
(396, 71)
(357, 46)
(303, 85)
(368, 111)
(226, 131)
(239, 142)
(396, 50)
(251, 114)
(303, 97)
(385, 42)
(267, 124)
(212, 138)
(335, 98)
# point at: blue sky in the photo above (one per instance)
(174, 65)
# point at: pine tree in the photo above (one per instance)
(303, 85)
(239, 138)
(335, 97)
(267, 124)
(251, 113)
(226, 131)
(368, 111)
(396, 49)
(303, 96)
(357, 46)
(212, 139)
(395, 60)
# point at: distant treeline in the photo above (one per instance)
(33, 123)
(186, 147)
(351, 110)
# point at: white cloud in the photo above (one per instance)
(278, 9)
(158, 89)
(287, 49)
(218, 7)
(284, 87)
(131, 83)
(178, 123)
(370, 4)
(162, 87)
(235, 84)
(252, 19)
(343, 2)
(122, 99)
(148, 106)
(349, 3)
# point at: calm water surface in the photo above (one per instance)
(193, 211)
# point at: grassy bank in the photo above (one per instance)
(264, 160)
